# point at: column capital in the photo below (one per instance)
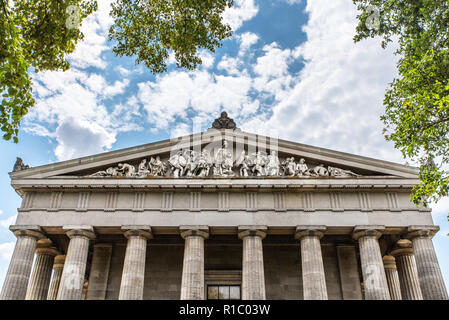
(45, 246)
(43, 243)
(312, 231)
(427, 231)
(58, 262)
(27, 231)
(51, 251)
(403, 247)
(389, 262)
(252, 231)
(200, 230)
(80, 231)
(137, 231)
(367, 231)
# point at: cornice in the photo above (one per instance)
(165, 146)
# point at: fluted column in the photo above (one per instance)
(253, 277)
(17, 277)
(41, 275)
(192, 287)
(374, 278)
(72, 279)
(429, 273)
(133, 275)
(392, 277)
(313, 279)
(58, 266)
(407, 271)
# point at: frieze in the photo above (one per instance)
(199, 164)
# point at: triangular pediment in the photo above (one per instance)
(250, 151)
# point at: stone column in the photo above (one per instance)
(43, 267)
(58, 266)
(72, 279)
(408, 273)
(313, 279)
(253, 277)
(133, 275)
(17, 277)
(192, 287)
(392, 277)
(429, 273)
(374, 278)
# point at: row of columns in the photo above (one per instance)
(402, 273)
(410, 272)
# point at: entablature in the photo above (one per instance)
(207, 184)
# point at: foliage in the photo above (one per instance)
(38, 35)
(33, 36)
(417, 102)
(149, 29)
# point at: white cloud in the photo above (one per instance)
(441, 208)
(123, 71)
(77, 138)
(7, 222)
(336, 100)
(6, 250)
(76, 107)
(207, 58)
(274, 62)
(241, 11)
(272, 70)
(88, 52)
(247, 40)
(117, 88)
(230, 65)
(174, 93)
(179, 130)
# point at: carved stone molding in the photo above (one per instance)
(224, 122)
(367, 231)
(137, 231)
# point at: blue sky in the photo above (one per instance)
(290, 70)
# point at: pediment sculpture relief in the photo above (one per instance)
(194, 164)
(19, 165)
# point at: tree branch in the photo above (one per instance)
(5, 10)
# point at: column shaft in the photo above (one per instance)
(313, 278)
(72, 279)
(17, 277)
(374, 278)
(41, 275)
(55, 281)
(133, 275)
(429, 273)
(392, 277)
(192, 287)
(408, 277)
(253, 277)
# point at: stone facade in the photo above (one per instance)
(348, 233)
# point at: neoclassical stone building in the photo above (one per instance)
(221, 214)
